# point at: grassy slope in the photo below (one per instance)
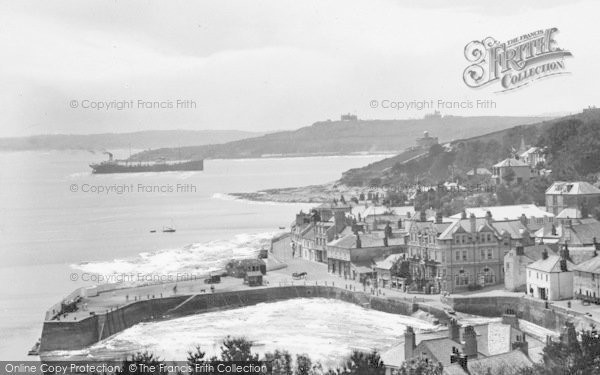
(337, 137)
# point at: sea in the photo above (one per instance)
(57, 219)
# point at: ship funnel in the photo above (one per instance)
(110, 155)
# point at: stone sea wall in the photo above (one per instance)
(73, 335)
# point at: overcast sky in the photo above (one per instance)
(269, 65)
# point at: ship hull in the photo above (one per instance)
(103, 168)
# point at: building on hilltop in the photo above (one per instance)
(349, 117)
(521, 172)
(426, 141)
(580, 195)
(533, 156)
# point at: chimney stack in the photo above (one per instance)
(488, 217)
(460, 358)
(522, 344)
(473, 221)
(339, 219)
(545, 254)
(463, 214)
(358, 242)
(523, 219)
(564, 256)
(439, 218)
(422, 216)
(510, 317)
(453, 330)
(520, 250)
(410, 343)
(470, 342)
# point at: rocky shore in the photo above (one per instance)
(304, 194)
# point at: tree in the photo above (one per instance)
(281, 362)
(361, 363)
(420, 366)
(237, 349)
(303, 364)
(509, 176)
(143, 364)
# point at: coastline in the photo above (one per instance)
(303, 194)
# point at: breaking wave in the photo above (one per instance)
(196, 258)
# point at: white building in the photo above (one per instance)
(551, 278)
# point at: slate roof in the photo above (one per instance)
(550, 264)
(572, 188)
(388, 263)
(534, 252)
(511, 162)
(569, 213)
(509, 212)
(480, 171)
(580, 233)
(505, 363)
(453, 369)
(373, 239)
(590, 266)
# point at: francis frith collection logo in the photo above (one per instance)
(515, 63)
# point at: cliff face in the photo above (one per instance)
(345, 137)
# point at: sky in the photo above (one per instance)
(269, 65)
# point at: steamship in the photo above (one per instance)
(161, 165)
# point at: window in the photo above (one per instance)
(462, 278)
(482, 254)
(464, 255)
(457, 255)
(489, 254)
(546, 277)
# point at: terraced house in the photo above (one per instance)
(462, 254)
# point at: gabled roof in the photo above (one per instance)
(590, 266)
(550, 264)
(506, 363)
(510, 212)
(511, 162)
(388, 263)
(535, 252)
(429, 225)
(464, 225)
(530, 151)
(569, 213)
(479, 171)
(572, 188)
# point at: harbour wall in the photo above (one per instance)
(74, 335)
(549, 316)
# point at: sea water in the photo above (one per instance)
(327, 330)
(50, 228)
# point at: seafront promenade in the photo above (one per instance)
(101, 315)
